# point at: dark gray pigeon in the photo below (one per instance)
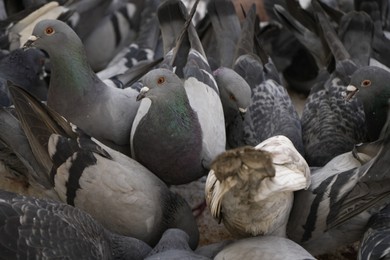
(166, 135)
(45, 229)
(343, 195)
(271, 111)
(75, 91)
(375, 243)
(330, 124)
(26, 69)
(186, 150)
(173, 245)
(116, 190)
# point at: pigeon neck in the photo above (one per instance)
(71, 74)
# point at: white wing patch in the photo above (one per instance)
(207, 104)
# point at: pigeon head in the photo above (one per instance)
(368, 82)
(371, 85)
(48, 35)
(159, 81)
(235, 91)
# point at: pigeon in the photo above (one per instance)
(263, 247)
(75, 91)
(173, 245)
(271, 111)
(184, 52)
(124, 196)
(330, 124)
(369, 85)
(343, 195)
(235, 94)
(45, 229)
(167, 137)
(26, 69)
(250, 189)
(375, 242)
(197, 130)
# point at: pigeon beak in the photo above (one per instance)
(242, 112)
(351, 91)
(142, 93)
(30, 42)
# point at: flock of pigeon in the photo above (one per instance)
(107, 105)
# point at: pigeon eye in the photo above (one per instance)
(49, 30)
(232, 97)
(366, 83)
(160, 80)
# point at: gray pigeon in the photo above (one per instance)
(343, 195)
(250, 189)
(26, 69)
(186, 149)
(264, 247)
(45, 229)
(184, 53)
(370, 85)
(173, 245)
(235, 94)
(117, 191)
(75, 91)
(166, 135)
(375, 243)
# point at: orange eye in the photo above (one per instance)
(49, 30)
(366, 83)
(160, 80)
(232, 97)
